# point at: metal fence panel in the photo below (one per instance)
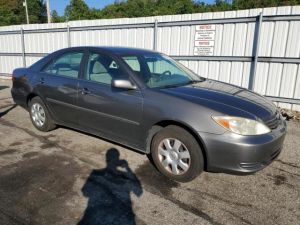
(10, 43)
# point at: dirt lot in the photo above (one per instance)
(64, 177)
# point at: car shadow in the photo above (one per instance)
(108, 192)
(7, 110)
(3, 87)
(101, 138)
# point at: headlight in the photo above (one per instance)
(241, 125)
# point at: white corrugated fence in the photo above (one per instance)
(264, 50)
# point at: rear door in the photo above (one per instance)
(116, 113)
(58, 83)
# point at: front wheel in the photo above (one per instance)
(177, 154)
(39, 115)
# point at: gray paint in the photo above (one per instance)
(131, 117)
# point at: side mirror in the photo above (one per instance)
(123, 84)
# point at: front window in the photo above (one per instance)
(160, 71)
(103, 69)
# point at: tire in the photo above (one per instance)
(165, 151)
(42, 120)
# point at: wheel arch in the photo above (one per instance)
(30, 97)
(33, 95)
(164, 123)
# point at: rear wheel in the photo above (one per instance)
(40, 116)
(177, 154)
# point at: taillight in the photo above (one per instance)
(23, 78)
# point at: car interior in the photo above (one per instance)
(102, 69)
(67, 65)
(99, 73)
(66, 69)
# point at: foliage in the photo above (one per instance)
(77, 10)
(13, 12)
(140, 8)
(37, 11)
(249, 4)
(55, 18)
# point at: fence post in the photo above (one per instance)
(255, 49)
(155, 35)
(23, 47)
(68, 35)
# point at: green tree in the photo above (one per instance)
(77, 10)
(164, 7)
(37, 11)
(249, 4)
(184, 7)
(138, 8)
(13, 12)
(55, 18)
(200, 7)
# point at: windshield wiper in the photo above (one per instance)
(183, 84)
(196, 81)
(173, 85)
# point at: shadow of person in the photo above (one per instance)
(7, 110)
(108, 192)
(3, 87)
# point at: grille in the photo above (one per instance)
(273, 122)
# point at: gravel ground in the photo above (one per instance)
(64, 177)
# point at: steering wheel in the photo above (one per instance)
(160, 77)
(167, 72)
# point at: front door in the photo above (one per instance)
(115, 113)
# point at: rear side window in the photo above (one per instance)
(67, 65)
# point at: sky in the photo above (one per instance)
(59, 5)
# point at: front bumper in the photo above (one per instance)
(237, 154)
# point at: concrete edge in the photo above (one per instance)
(5, 77)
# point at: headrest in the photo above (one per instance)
(98, 68)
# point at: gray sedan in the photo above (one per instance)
(151, 103)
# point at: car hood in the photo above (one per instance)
(222, 96)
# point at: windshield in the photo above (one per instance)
(160, 71)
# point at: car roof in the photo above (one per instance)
(108, 49)
(115, 50)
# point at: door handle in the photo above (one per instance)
(85, 91)
(42, 81)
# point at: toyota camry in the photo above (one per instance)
(151, 103)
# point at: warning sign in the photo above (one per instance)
(204, 43)
(205, 35)
(206, 27)
(204, 51)
(204, 40)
